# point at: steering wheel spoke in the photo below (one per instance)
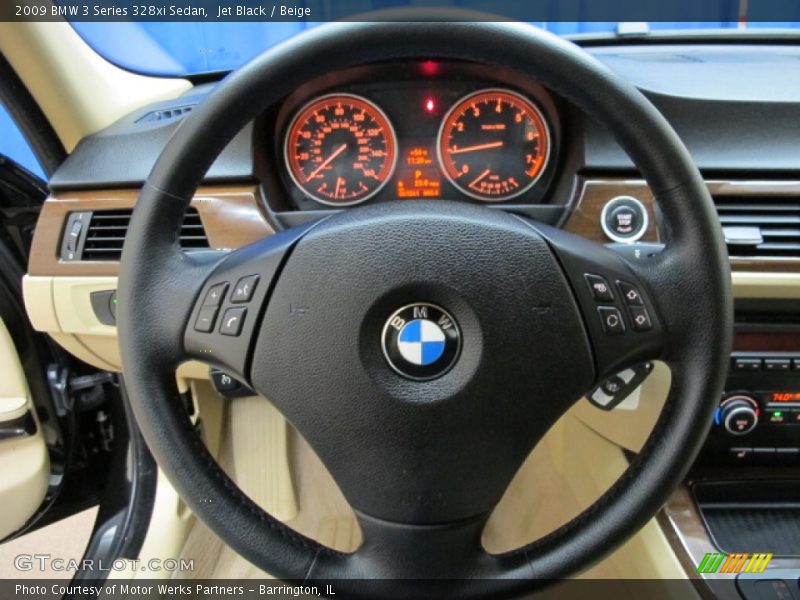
(225, 315)
(618, 303)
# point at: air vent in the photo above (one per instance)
(761, 227)
(105, 234)
(166, 114)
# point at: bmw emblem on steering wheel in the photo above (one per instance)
(421, 341)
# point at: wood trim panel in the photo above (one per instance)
(593, 195)
(232, 217)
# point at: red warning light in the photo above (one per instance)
(429, 68)
(430, 105)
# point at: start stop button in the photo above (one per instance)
(624, 219)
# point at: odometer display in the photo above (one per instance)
(493, 145)
(341, 149)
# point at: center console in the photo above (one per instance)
(758, 418)
(742, 498)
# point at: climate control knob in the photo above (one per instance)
(739, 414)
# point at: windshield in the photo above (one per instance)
(180, 48)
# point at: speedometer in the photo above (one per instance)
(341, 149)
(493, 145)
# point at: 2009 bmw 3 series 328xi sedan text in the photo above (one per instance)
(387, 299)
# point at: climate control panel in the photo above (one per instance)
(758, 418)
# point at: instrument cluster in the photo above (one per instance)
(421, 131)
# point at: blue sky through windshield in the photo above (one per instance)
(190, 48)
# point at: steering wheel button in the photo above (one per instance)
(611, 319)
(244, 288)
(205, 319)
(630, 294)
(232, 321)
(601, 291)
(215, 295)
(640, 319)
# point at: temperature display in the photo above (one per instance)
(784, 397)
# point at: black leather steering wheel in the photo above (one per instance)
(424, 462)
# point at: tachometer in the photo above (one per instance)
(341, 149)
(494, 145)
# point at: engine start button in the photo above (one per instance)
(624, 219)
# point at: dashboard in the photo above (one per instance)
(427, 130)
(421, 130)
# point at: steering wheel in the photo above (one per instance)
(506, 331)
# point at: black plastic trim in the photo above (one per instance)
(30, 119)
(123, 518)
(123, 154)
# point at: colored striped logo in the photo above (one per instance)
(739, 562)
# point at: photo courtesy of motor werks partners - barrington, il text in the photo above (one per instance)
(170, 590)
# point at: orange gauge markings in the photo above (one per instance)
(493, 145)
(340, 149)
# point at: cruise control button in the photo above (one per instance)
(215, 295)
(205, 319)
(630, 294)
(640, 319)
(613, 385)
(222, 381)
(611, 319)
(232, 321)
(243, 290)
(601, 291)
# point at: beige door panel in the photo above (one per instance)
(24, 461)
(62, 307)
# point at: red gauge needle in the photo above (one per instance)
(479, 177)
(327, 161)
(478, 147)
